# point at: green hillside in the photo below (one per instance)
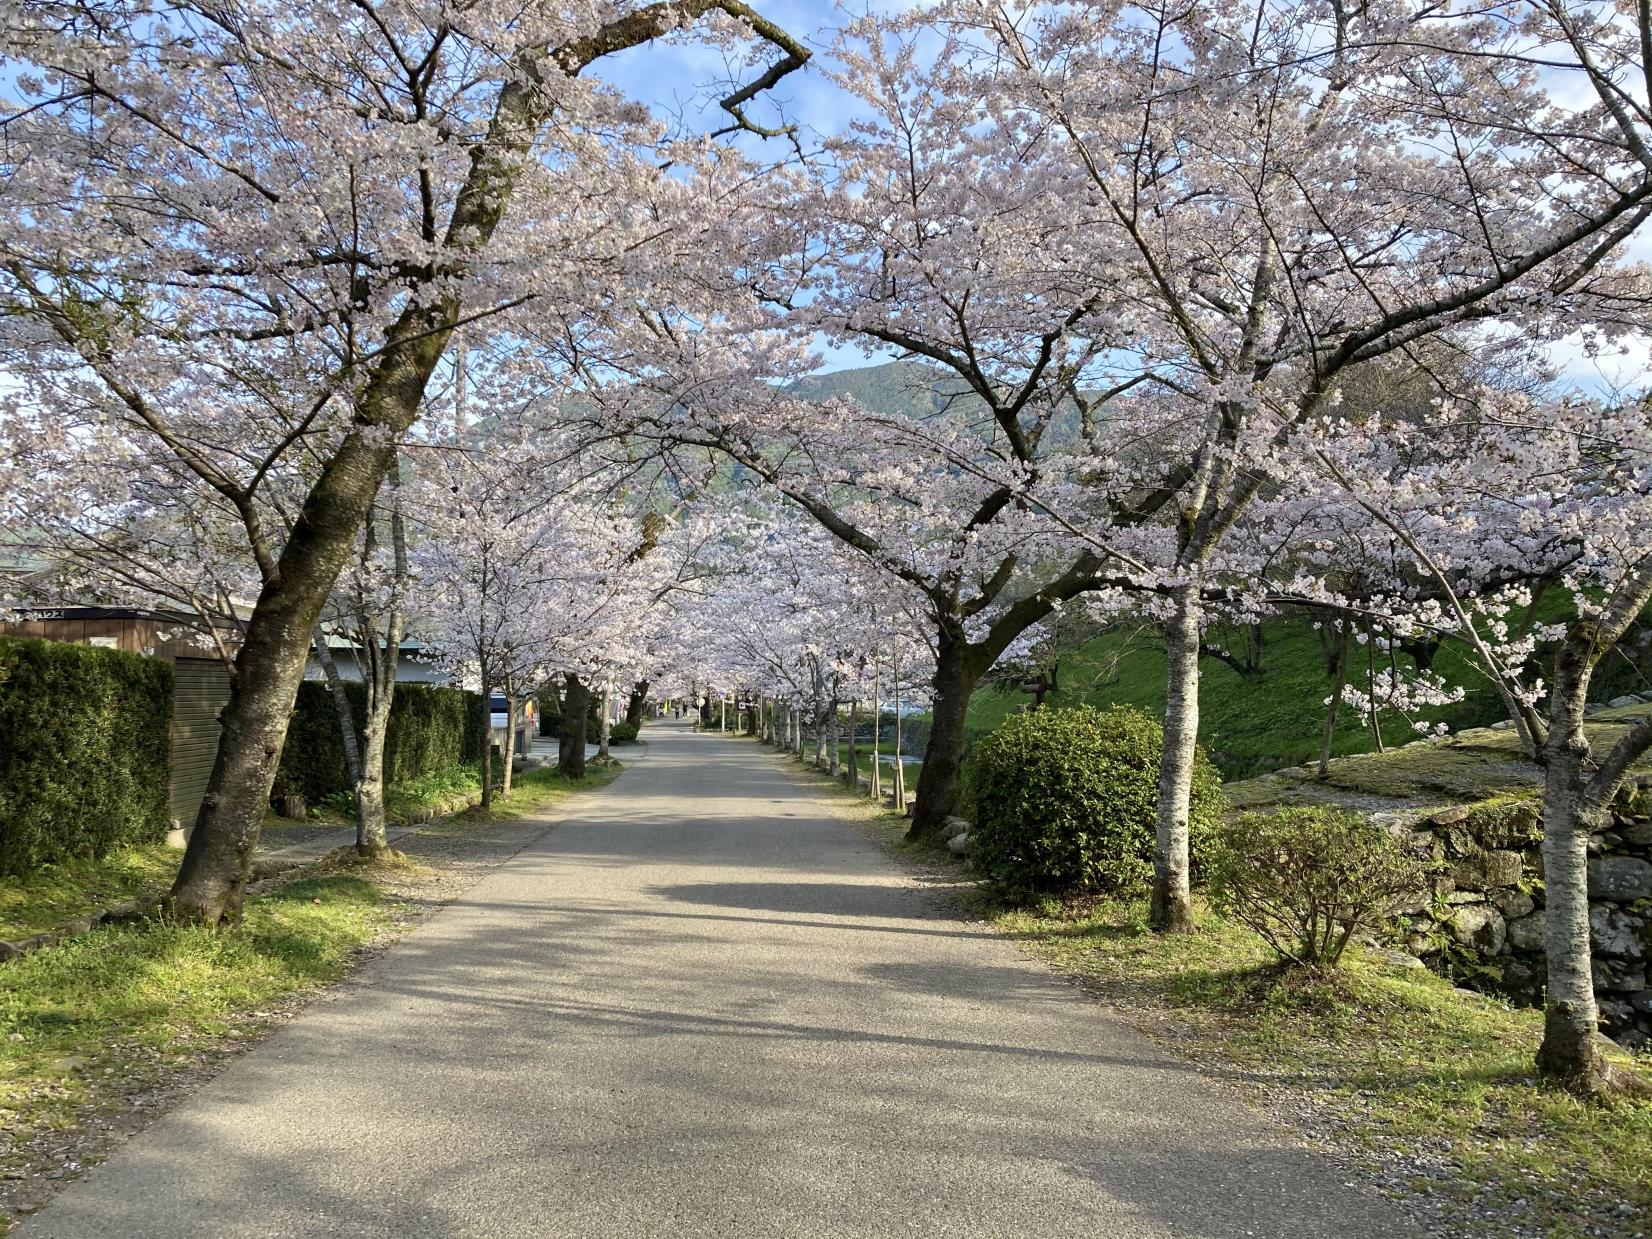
(1251, 724)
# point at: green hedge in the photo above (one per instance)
(430, 728)
(1065, 801)
(83, 751)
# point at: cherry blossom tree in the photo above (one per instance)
(236, 237)
(1504, 487)
(1296, 191)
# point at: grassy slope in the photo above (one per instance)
(1248, 723)
(1408, 1064)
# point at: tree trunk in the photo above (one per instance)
(510, 741)
(1172, 905)
(487, 743)
(832, 754)
(941, 781)
(819, 720)
(372, 828)
(636, 703)
(1333, 708)
(211, 882)
(1571, 1051)
(341, 703)
(576, 707)
(607, 715)
(900, 766)
(1371, 686)
(876, 785)
(853, 773)
(381, 660)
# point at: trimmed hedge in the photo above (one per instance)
(83, 751)
(1065, 801)
(622, 733)
(430, 728)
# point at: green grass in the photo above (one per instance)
(443, 790)
(1411, 1063)
(532, 790)
(54, 894)
(1248, 724)
(863, 768)
(77, 1018)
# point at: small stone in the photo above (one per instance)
(1449, 817)
(1465, 897)
(1623, 703)
(1502, 724)
(1478, 926)
(1614, 932)
(8, 950)
(71, 929)
(1512, 903)
(1526, 934)
(1621, 878)
(958, 845)
(1642, 1001)
(953, 827)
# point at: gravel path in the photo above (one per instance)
(706, 1005)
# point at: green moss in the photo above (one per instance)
(57, 893)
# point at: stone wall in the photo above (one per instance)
(1483, 920)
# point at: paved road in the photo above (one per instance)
(705, 1006)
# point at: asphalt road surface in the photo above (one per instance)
(704, 1005)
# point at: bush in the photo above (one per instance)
(84, 751)
(431, 728)
(1064, 801)
(1308, 879)
(622, 733)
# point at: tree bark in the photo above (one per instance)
(636, 703)
(576, 707)
(1571, 1051)
(1171, 910)
(341, 705)
(900, 766)
(818, 682)
(487, 741)
(607, 715)
(510, 740)
(875, 786)
(853, 773)
(941, 781)
(1333, 708)
(832, 736)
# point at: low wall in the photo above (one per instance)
(1483, 920)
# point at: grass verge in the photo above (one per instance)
(96, 1031)
(53, 894)
(532, 790)
(1430, 1086)
(79, 1020)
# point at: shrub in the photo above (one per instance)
(431, 728)
(1064, 801)
(622, 733)
(1308, 879)
(84, 751)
